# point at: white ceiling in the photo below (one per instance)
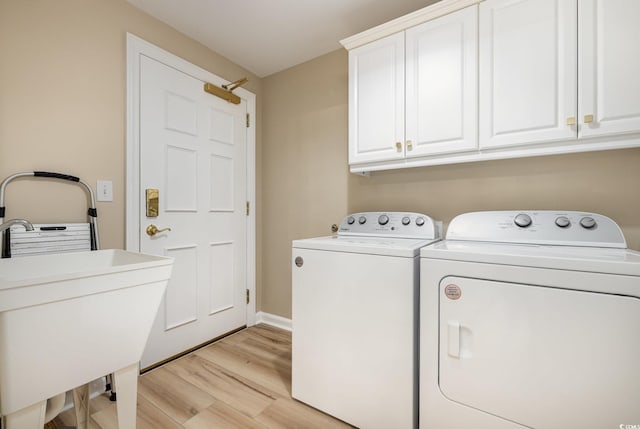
(267, 36)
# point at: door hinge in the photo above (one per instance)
(248, 121)
(247, 296)
(247, 208)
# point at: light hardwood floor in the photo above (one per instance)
(241, 381)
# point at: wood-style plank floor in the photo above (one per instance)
(241, 381)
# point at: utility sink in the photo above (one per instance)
(67, 319)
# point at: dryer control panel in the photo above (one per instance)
(390, 224)
(543, 227)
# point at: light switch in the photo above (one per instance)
(104, 190)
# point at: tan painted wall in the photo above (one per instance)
(62, 101)
(305, 175)
(305, 169)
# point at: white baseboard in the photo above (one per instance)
(273, 320)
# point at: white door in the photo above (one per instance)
(528, 71)
(376, 101)
(193, 151)
(609, 88)
(442, 84)
(543, 357)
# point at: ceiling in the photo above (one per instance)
(267, 36)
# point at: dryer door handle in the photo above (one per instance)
(454, 338)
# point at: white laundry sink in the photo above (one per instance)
(68, 319)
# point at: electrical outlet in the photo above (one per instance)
(104, 190)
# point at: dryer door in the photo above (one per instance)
(543, 357)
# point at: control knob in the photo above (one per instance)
(351, 220)
(406, 220)
(362, 220)
(420, 221)
(383, 219)
(522, 220)
(588, 222)
(562, 221)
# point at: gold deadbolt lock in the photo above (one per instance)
(152, 197)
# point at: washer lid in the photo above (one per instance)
(571, 258)
(402, 247)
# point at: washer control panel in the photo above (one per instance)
(538, 227)
(391, 224)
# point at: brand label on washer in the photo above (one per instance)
(453, 291)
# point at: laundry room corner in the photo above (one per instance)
(307, 184)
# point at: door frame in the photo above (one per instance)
(137, 47)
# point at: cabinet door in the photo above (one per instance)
(609, 88)
(528, 71)
(376, 101)
(441, 94)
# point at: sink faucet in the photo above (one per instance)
(27, 225)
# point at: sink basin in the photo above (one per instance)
(68, 319)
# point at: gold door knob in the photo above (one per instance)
(398, 146)
(588, 119)
(153, 230)
(571, 121)
(409, 145)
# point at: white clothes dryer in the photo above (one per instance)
(355, 318)
(530, 320)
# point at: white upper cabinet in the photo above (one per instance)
(473, 80)
(609, 67)
(441, 95)
(435, 112)
(528, 71)
(376, 100)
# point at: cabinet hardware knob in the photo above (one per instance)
(571, 120)
(409, 145)
(398, 146)
(588, 119)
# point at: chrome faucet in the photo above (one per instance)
(27, 225)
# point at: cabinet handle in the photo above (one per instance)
(409, 145)
(588, 119)
(398, 146)
(571, 120)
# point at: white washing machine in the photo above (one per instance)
(530, 320)
(355, 318)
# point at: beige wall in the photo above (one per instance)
(62, 101)
(308, 187)
(305, 174)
